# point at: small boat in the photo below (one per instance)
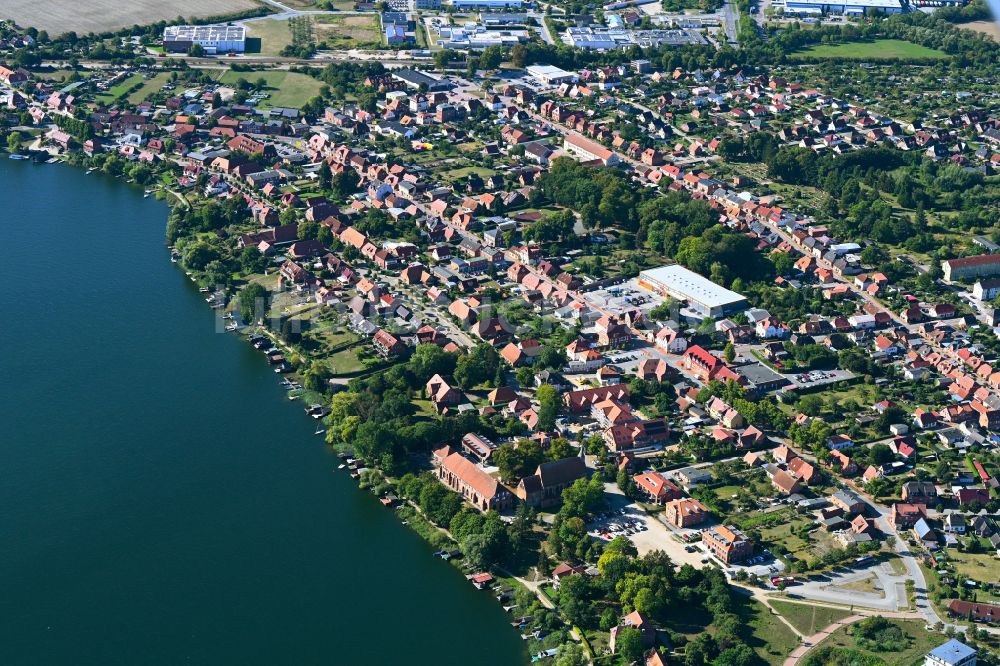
(52, 160)
(173, 259)
(145, 195)
(320, 431)
(203, 290)
(341, 466)
(19, 157)
(91, 170)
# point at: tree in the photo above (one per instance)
(628, 643)
(196, 50)
(570, 654)
(548, 401)
(253, 302)
(730, 353)
(252, 260)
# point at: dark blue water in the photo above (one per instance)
(161, 501)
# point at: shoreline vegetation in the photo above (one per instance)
(510, 591)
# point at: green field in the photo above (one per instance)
(921, 642)
(878, 49)
(807, 618)
(149, 87)
(273, 36)
(286, 88)
(772, 640)
(116, 92)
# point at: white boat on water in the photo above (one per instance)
(19, 157)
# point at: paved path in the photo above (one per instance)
(812, 641)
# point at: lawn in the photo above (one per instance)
(287, 89)
(807, 618)
(978, 566)
(772, 640)
(878, 49)
(116, 92)
(149, 87)
(272, 35)
(921, 642)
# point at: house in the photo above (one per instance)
(638, 621)
(785, 483)
(905, 516)
(443, 392)
(848, 501)
(727, 543)
(387, 345)
(545, 486)
(657, 487)
(474, 485)
(685, 512)
(977, 612)
(957, 653)
(919, 492)
(955, 523)
(924, 534)
(838, 442)
(636, 434)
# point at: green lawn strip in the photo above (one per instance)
(878, 49)
(807, 618)
(771, 638)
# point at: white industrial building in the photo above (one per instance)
(846, 7)
(487, 5)
(702, 295)
(606, 39)
(550, 75)
(213, 38)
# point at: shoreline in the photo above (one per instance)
(428, 530)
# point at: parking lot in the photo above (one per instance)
(818, 378)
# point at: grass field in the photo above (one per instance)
(286, 88)
(772, 640)
(149, 87)
(347, 31)
(921, 642)
(335, 31)
(808, 619)
(979, 566)
(116, 92)
(59, 16)
(878, 49)
(272, 35)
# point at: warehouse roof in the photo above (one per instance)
(692, 285)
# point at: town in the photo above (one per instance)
(684, 352)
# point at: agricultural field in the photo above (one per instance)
(986, 27)
(287, 89)
(877, 49)
(59, 16)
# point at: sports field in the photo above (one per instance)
(878, 49)
(83, 16)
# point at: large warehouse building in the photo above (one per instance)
(702, 295)
(213, 38)
(847, 7)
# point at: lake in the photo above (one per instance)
(161, 501)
